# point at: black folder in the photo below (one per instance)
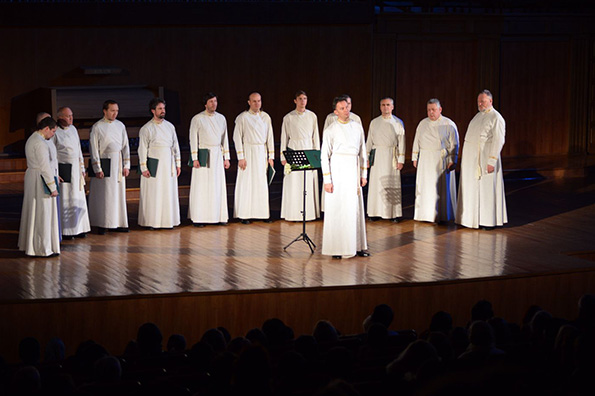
(65, 172)
(106, 167)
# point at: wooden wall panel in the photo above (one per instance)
(535, 96)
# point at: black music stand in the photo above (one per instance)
(299, 158)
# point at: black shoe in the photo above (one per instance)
(396, 220)
(363, 253)
(67, 237)
(337, 257)
(53, 255)
(246, 221)
(100, 230)
(122, 229)
(81, 235)
(223, 223)
(487, 228)
(199, 225)
(268, 221)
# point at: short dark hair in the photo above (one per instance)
(47, 122)
(208, 95)
(298, 93)
(342, 98)
(108, 102)
(155, 102)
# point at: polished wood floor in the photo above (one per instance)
(551, 229)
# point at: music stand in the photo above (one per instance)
(300, 158)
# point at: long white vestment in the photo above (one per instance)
(482, 201)
(300, 132)
(159, 206)
(74, 216)
(343, 159)
(253, 139)
(39, 232)
(387, 136)
(436, 144)
(107, 196)
(208, 191)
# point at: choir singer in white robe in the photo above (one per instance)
(255, 148)
(74, 216)
(208, 191)
(107, 195)
(159, 206)
(435, 153)
(39, 232)
(482, 201)
(343, 159)
(300, 132)
(387, 137)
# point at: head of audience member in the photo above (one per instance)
(300, 100)
(387, 105)
(277, 332)
(237, 345)
(564, 346)
(110, 110)
(539, 325)
(443, 346)
(434, 109)
(253, 371)
(65, 117)
(325, 332)
(307, 346)
(87, 354)
(47, 127)
(225, 333)
(257, 336)
(55, 351)
(382, 314)
(481, 334)
(482, 310)
(255, 102)
(291, 369)
(149, 339)
(215, 339)
(502, 331)
(176, 343)
(209, 100)
(586, 311)
(484, 101)
(201, 356)
(441, 321)
(107, 369)
(29, 351)
(411, 359)
(459, 339)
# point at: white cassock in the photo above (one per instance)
(332, 117)
(300, 132)
(159, 206)
(107, 196)
(436, 144)
(387, 136)
(74, 217)
(482, 201)
(208, 191)
(39, 232)
(253, 138)
(343, 159)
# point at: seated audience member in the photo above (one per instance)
(481, 349)
(55, 351)
(482, 310)
(215, 339)
(325, 332)
(176, 343)
(277, 332)
(29, 351)
(382, 314)
(149, 340)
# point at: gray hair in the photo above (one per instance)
(434, 101)
(388, 98)
(487, 93)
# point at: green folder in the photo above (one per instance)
(65, 172)
(46, 189)
(270, 174)
(371, 157)
(313, 157)
(203, 158)
(152, 164)
(106, 167)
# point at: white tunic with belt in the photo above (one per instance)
(73, 199)
(436, 144)
(300, 132)
(107, 196)
(343, 159)
(159, 206)
(208, 190)
(253, 139)
(387, 137)
(39, 232)
(482, 201)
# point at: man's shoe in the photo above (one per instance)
(363, 253)
(223, 223)
(268, 221)
(396, 220)
(67, 237)
(100, 230)
(246, 221)
(487, 228)
(122, 229)
(199, 225)
(81, 235)
(337, 257)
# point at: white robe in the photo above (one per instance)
(343, 159)
(159, 206)
(208, 189)
(387, 136)
(74, 217)
(39, 232)
(332, 117)
(253, 139)
(436, 144)
(107, 196)
(300, 132)
(482, 200)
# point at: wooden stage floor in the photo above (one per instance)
(237, 275)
